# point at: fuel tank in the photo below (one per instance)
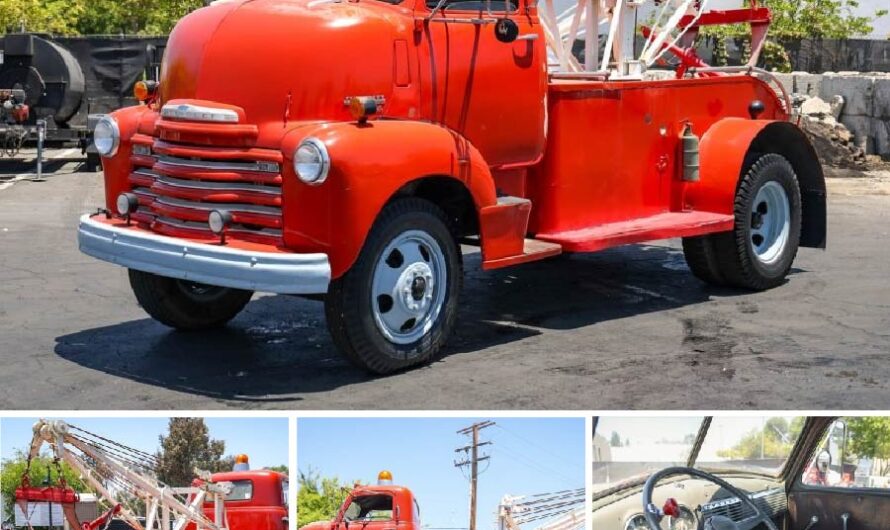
(286, 61)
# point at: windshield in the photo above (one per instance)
(631, 448)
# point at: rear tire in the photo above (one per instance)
(186, 306)
(759, 252)
(397, 305)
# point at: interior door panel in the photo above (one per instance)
(867, 509)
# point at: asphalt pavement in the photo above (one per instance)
(627, 328)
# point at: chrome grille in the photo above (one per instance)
(178, 191)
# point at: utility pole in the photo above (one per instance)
(472, 459)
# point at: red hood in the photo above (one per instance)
(276, 57)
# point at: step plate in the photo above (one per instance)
(534, 250)
(661, 226)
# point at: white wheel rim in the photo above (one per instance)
(408, 287)
(770, 222)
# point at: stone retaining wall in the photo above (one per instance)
(866, 110)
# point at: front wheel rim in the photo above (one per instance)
(770, 223)
(408, 287)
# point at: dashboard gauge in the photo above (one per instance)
(637, 522)
(684, 521)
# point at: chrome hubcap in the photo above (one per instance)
(770, 222)
(408, 287)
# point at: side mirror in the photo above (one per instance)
(506, 31)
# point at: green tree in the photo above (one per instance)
(281, 469)
(318, 499)
(774, 440)
(616, 440)
(794, 20)
(90, 17)
(14, 468)
(869, 437)
(188, 446)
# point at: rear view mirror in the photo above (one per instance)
(505, 30)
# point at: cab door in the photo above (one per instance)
(491, 92)
(846, 482)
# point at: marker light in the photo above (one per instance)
(242, 463)
(362, 107)
(312, 162)
(219, 220)
(107, 136)
(145, 90)
(127, 203)
(384, 478)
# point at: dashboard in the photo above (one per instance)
(697, 498)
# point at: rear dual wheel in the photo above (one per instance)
(397, 305)
(760, 250)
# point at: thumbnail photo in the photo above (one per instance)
(441, 474)
(145, 474)
(740, 473)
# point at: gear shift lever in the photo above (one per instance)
(845, 517)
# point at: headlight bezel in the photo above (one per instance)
(115, 130)
(320, 175)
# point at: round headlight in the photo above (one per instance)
(127, 203)
(107, 136)
(311, 161)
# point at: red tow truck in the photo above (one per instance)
(383, 506)
(346, 148)
(241, 499)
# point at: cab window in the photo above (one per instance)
(370, 508)
(285, 488)
(496, 6)
(242, 490)
(855, 453)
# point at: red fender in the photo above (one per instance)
(370, 164)
(117, 168)
(724, 149)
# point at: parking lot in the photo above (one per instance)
(624, 329)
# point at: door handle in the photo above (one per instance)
(529, 37)
(813, 522)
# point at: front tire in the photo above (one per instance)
(759, 252)
(397, 305)
(186, 306)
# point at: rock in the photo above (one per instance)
(857, 90)
(833, 143)
(816, 107)
(837, 106)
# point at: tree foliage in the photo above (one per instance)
(94, 17)
(870, 438)
(318, 498)
(794, 20)
(188, 446)
(14, 468)
(774, 440)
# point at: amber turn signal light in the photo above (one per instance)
(362, 107)
(145, 90)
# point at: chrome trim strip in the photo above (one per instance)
(205, 263)
(210, 206)
(214, 185)
(214, 165)
(234, 229)
(189, 112)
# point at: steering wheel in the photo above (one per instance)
(654, 514)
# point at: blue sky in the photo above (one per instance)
(528, 456)
(264, 440)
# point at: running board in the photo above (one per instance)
(534, 250)
(661, 226)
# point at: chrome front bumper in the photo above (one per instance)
(210, 264)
